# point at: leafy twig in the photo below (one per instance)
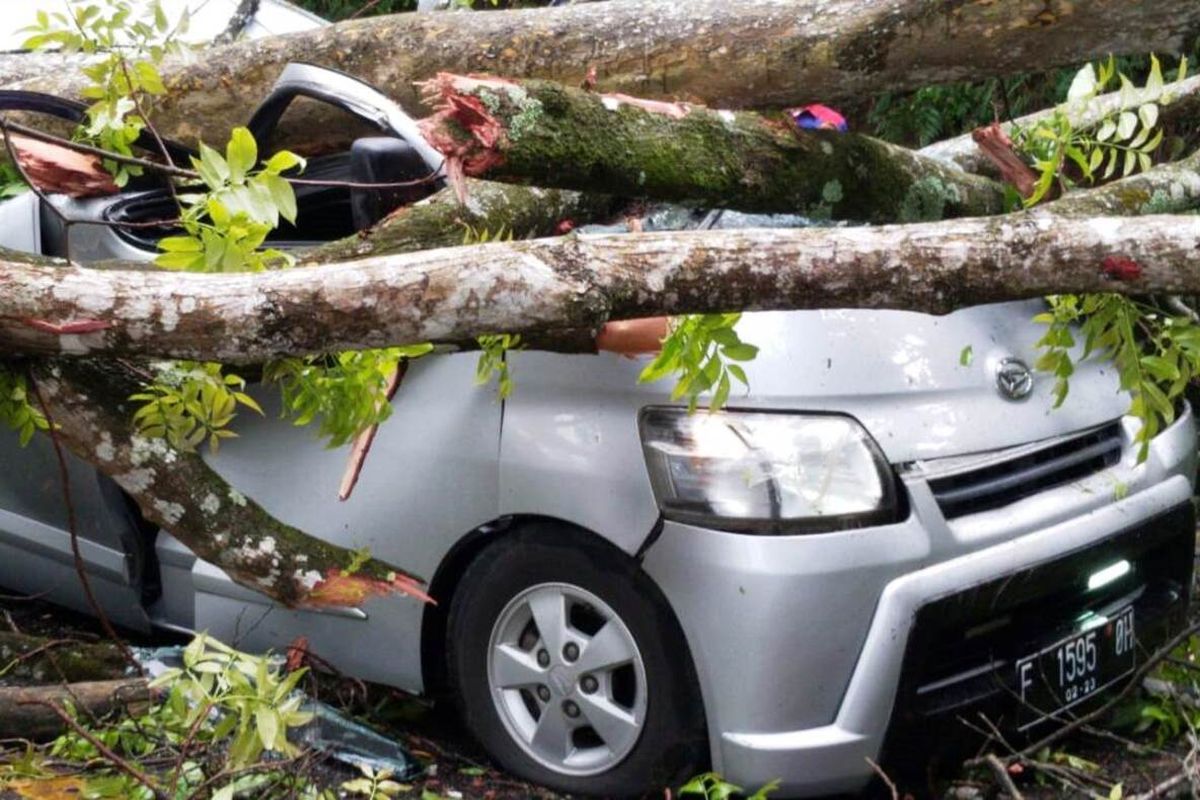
(104, 750)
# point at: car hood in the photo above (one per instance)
(924, 386)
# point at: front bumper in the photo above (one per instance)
(800, 643)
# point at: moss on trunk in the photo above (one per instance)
(441, 221)
(552, 135)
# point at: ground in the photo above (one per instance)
(457, 768)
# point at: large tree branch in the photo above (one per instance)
(583, 281)
(27, 712)
(87, 401)
(441, 221)
(552, 135)
(19, 67)
(1165, 189)
(753, 53)
(1180, 104)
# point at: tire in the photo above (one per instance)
(650, 730)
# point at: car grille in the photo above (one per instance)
(1032, 469)
(962, 647)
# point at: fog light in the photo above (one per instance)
(1109, 574)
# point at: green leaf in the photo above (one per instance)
(1126, 125)
(1154, 142)
(1112, 164)
(283, 161)
(282, 195)
(721, 395)
(180, 244)
(740, 352)
(219, 212)
(1160, 367)
(1083, 85)
(1154, 82)
(267, 722)
(147, 75)
(188, 262)
(241, 154)
(1076, 155)
(1142, 135)
(1148, 114)
(213, 169)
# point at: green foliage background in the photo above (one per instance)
(916, 119)
(342, 9)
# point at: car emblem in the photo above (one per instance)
(1013, 379)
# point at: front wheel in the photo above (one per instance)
(569, 668)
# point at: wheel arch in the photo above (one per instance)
(447, 577)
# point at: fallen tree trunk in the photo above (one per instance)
(25, 712)
(86, 401)
(1165, 189)
(551, 135)
(756, 53)
(16, 68)
(580, 282)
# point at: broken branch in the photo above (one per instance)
(552, 135)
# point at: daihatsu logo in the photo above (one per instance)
(1013, 379)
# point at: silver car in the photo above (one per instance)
(882, 532)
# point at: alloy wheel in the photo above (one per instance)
(567, 679)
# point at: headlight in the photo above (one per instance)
(766, 472)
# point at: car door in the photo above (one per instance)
(35, 545)
(431, 477)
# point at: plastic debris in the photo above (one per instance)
(818, 117)
(342, 739)
(669, 217)
(329, 731)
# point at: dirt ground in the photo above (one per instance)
(456, 768)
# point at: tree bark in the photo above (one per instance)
(1166, 189)
(577, 282)
(87, 402)
(441, 221)
(24, 713)
(551, 135)
(17, 68)
(754, 53)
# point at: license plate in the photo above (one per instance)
(1073, 669)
